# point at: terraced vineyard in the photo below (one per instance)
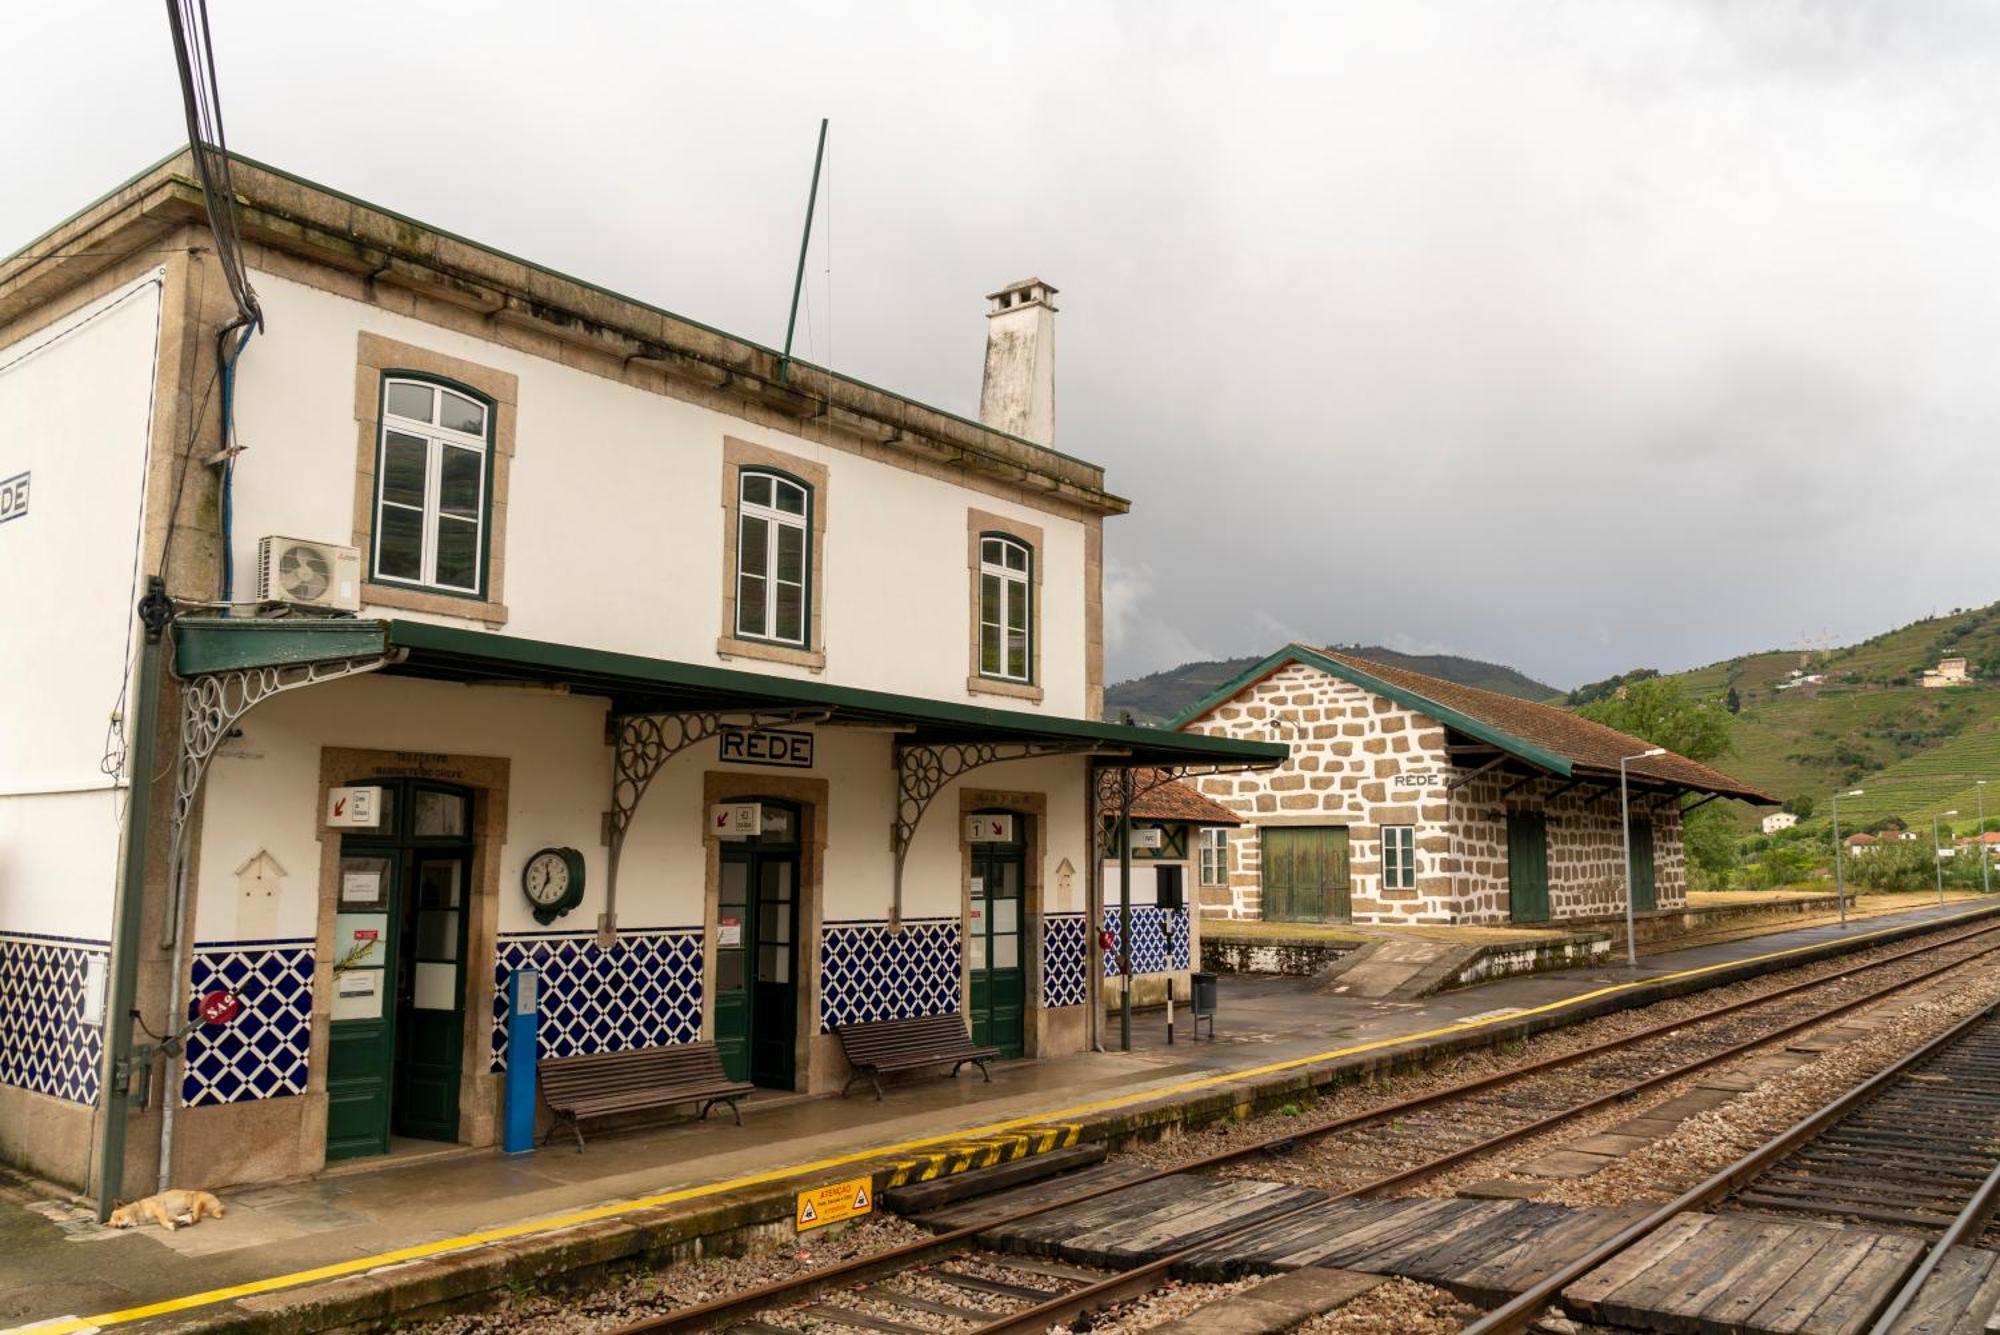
(1940, 779)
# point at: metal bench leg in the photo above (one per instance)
(876, 1076)
(983, 1071)
(848, 1083)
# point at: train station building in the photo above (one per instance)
(511, 622)
(1409, 799)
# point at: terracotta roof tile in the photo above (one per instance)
(1571, 736)
(1175, 801)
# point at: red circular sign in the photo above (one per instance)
(220, 1007)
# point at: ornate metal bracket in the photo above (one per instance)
(646, 742)
(923, 771)
(213, 703)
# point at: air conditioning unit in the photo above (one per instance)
(316, 575)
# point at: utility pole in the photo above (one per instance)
(1937, 849)
(1839, 888)
(805, 240)
(1625, 819)
(1125, 906)
(1979, 842)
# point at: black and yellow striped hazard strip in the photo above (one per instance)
(965, 1155)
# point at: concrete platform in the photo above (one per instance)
(365, 1245)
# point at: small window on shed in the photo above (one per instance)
(1399, 857)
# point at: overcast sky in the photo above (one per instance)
(1574, 336)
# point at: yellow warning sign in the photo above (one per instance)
(835, 1201)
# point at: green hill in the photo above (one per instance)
(1157, 698)
(1867, 722)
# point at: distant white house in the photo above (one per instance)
(1779, 820)
(1799, 677)
(1948, 672)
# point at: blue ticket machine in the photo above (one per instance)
(523, 996)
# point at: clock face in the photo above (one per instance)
(546, 878)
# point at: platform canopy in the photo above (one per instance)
(635, 684)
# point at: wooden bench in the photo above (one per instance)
(605, 1083)
(886, 1046)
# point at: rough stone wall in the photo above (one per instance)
(1364, 761)
(1358, 760)
(1586, 848)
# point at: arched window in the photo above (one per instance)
(1006, 585)
(773, 545)
(431, 486)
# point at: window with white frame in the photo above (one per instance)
(773, 533)
(431, 484)
(1006, 584)
(1215, 856)
(1399, 857)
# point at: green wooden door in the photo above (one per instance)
(1305, 873)
(732, 986)
(430, 997)
(1528, 866)
(774, 1006)
(360, 1057)
(398, 984)
(1644, 893)
(993, 946)
(756, 1001)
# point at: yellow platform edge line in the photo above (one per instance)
(611, 1210)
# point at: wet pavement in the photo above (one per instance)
(54, 1261)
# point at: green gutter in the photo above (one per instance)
(1539, 756)
(216, 644)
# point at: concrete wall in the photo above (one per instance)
(615, 533)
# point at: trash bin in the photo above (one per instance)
(1203, 1001)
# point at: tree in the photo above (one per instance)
(1733, 702)
(1659, 710)
(1801, 806)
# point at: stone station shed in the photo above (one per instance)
(1410, 799)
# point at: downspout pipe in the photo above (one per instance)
(226, 358)
(116, 1073)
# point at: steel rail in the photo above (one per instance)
(1964, 1230)
(1144, 1278)
(1514, 1316)
(711, 1314)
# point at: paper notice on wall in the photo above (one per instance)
(729, 932)
(357, 994)
(361, 887)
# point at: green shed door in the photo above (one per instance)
(1304, 873)
(1644, 895)
(1528, 866)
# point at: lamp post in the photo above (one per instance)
(1839, 887)
(1979, 842)
(1625, 816)
(1937, 849)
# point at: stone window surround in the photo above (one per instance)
(376, 357)
(738, 455)
(979, 523)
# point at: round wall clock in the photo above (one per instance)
(553, 882)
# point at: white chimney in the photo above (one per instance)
(1019, 393)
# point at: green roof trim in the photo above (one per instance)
(636, 683)
(1539, 756)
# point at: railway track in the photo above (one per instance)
(912, 1286)
(1949, 1078)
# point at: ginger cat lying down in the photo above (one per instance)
(168, 1209)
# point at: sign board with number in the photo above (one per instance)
(14, 497)
(767, 746)
(834, 1202)
(989, 829)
